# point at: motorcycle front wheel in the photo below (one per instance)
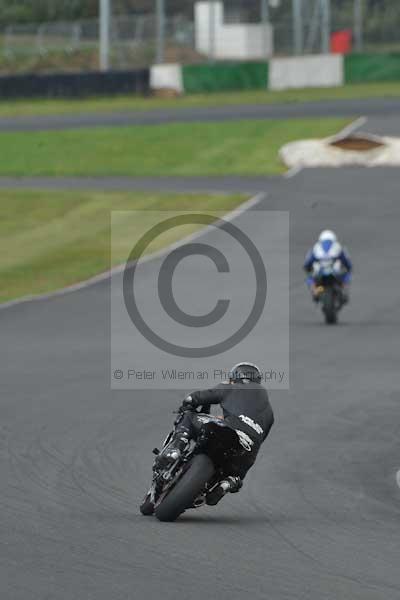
(329, 307)
(147, 506)
(188, 488)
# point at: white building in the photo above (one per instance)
(239, 41)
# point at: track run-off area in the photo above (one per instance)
(319, 513)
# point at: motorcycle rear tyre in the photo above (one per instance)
(188, 488)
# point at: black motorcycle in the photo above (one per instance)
(329, 292)
(188, 477)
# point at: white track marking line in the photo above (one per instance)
(352, 127)
(398, 478)
(293, 171)
(230, 216)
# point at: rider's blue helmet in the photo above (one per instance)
(245, 372)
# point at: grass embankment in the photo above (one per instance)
(52, 239)
(53, 107)
(240, 148)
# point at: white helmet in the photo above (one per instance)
(245, 372)
(327, 236)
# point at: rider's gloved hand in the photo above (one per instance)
(347, 278)
(189, 403)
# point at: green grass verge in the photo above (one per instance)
(52, 107)
(240, 147)
(49, 240)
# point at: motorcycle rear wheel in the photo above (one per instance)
(188, 488)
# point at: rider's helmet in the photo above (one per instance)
(327, 234)
(326, 239)
(245, 372)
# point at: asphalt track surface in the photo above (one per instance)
(318, 516)
(339, 108)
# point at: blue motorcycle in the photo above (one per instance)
(328, 288)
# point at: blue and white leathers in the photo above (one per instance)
(328, 252)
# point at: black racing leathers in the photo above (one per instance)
(246, 409)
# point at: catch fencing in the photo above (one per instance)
(186, 32)
(75, 45)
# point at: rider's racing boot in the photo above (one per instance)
(316, 293)
(229, 485)
(173, 451)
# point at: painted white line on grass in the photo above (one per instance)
(230, 216)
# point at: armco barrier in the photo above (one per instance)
(75, 84)
(363, 68)
(278, 74)
(225, 76)
(306, 71)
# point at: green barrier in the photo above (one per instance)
(363, 68)
(220, 77)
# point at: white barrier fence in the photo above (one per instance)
(324, 70)
(306, 71)
(167, 77)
